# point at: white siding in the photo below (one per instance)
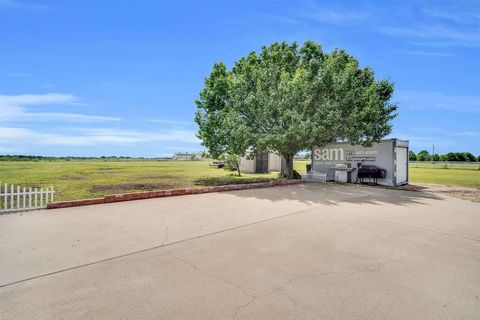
(247, 165)
(274, 162)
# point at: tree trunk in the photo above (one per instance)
(238, 166)
(289, 166)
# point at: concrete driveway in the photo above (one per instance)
(310, 251)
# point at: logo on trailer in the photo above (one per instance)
(332, 154)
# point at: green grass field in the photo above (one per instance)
(460, 175)
(87, 179)
(449, 177)
(300, 165)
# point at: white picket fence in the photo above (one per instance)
(16, 198)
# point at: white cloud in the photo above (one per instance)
(438, 24)
(435, 34)
(441, 131)
(19, 74)
(444, 139)
(166, 121)
(68, 117)
(36, 99)
(433, 25)
(14, 108)
(475, 134)
(467, 14)
(315, 12)
(417, 142)
(22, 5)
(438, 101)
(308, 13)
(327, 15)
(428, 53)
(14, 136)
(131, 136)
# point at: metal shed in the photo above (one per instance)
(261, 163)
(385, 163)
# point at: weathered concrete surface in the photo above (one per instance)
(297, 252)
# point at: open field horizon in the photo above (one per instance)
(81, 179)
(89, 179)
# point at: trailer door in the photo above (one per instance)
(401, 165)
(262, 163)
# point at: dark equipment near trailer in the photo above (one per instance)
(370, 172)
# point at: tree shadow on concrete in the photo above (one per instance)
(335, 194)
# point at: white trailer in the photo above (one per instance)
(389, 157)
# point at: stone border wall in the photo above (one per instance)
(168, 193)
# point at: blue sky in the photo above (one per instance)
(120, 77)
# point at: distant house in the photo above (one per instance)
(188, 156)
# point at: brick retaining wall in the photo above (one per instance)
(168, 193)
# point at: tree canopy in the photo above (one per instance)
(289, 98)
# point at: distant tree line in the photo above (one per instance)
(424, 155)
(38, 158)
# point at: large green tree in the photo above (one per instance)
(220, 130)
(289, 98)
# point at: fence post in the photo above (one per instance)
(36, 200)
(11, 197)
(18, 197)
(41, 197)
(5, 191)
(24, 194)
(29, 197)
(53, 191)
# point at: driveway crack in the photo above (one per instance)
(213, 276)
(165, 237)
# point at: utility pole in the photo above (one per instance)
(433, 152)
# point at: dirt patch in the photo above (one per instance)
(70, 177)
(158, 176)
(109, 171)
(459, 192)
(119, 188)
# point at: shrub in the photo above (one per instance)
(423, 156)
(412, 156)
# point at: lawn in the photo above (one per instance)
(450, 177)
(300, 165)
(86, 179)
